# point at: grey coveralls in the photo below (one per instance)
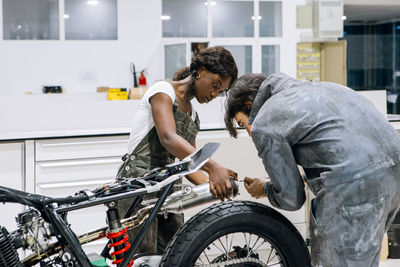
(148, 155)
(350, 155)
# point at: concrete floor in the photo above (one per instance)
(390, 263)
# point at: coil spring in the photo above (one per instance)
(123, 241)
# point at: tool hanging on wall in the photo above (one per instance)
(133, 71)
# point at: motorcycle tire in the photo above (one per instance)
(232, 217)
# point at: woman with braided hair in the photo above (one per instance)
(165, 127)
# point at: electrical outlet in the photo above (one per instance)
(87, 75)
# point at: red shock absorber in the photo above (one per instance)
(117, 234)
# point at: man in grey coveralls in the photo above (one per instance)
(349, 152)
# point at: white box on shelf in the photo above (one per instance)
(327, 18)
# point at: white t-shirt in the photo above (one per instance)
(143, 121)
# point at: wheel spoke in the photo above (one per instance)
(199, 259)
(252, 247)
(223, 252)
(274, 264)
(248, 247)
(220, 249)
(230, 245)
(226, 243)
(226, 251)
(273, 256)
(261, 244)
(245, 239)
(204, 251)
(270, 252)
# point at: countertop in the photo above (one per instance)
(58, 115)
(72, 115)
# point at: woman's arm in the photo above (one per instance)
(161, 107)
(197, 178)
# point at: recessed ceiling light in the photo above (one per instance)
(92, 2)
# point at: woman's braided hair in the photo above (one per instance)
(215, 59)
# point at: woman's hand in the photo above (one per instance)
(255, 186)
(220, 185)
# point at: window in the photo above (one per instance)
(232, 19)
(376, 70)
(90, 20)
(182, 18)
(270, 19)
(251, 30)
(40, 20)
(30, 20)
(243, 57)
(175, 58)
(270, 59)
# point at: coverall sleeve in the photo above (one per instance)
(286, 188)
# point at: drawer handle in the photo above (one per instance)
(84, 143)
(78, 163)
(73, 184)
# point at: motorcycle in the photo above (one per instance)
(230, 233)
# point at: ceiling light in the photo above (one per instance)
(92, 2)
(344, 17)
(66, 16)
(259, 17)
(165, 17)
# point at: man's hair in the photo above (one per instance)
(243, 90)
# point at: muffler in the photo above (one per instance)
(192, 196)
(186, 198)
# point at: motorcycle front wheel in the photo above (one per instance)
(237, 233)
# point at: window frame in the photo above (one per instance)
(255, 42)
(61, 25)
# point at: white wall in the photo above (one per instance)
(371, 2)
(81, 66)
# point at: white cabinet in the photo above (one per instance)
(240, 155)
(68, 165)
(11, 175)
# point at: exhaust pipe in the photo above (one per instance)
(177, 202)
(190, 197)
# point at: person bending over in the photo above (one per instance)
(347, 148)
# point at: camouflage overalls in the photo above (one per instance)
(148, 155)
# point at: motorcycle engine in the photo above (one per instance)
(33, 232)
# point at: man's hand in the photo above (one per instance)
(255, 186)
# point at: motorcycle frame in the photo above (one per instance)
(53, 213)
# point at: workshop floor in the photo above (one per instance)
(390, 263)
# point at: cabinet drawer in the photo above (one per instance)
(64, 189)
(77, 170)
(89, 219)
(75, 148)
(241, 156)
(84, 220)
